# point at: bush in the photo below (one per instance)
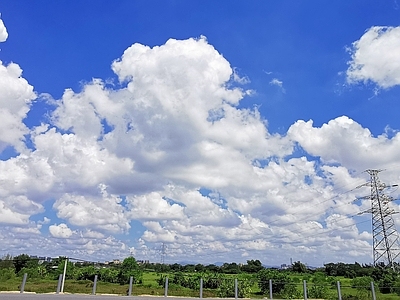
(227, 288)
(6, 274)
(291, 292)
(279, 280)
(161, 280)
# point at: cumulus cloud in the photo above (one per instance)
(375, 57)
(61, 231)
(15, 99)
(102, 212)
(17, 209)
(3, 31)
(344, 141)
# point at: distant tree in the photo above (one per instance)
(189, 268)
(299, 267)
(130, 268)
(162, 268)
(212, 268)
(252, 266)
(176, 267)
(230, 268)
(199, 268)
(21, 261)
(6, 262)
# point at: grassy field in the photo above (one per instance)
(151, 287)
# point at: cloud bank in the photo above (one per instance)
(168, 155)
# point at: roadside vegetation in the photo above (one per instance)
(184, 280)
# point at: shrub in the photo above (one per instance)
(279, 280)
(227, 288)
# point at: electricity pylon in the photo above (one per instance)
(385, 236)
(163, 252)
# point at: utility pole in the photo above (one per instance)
(386, 247)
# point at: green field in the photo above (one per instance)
(149, 286)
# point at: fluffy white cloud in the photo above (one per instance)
(344, 141)
(61, 231)
(3, 31)
(102, 212)
(17, 209)
(376, 57)
(15, 99)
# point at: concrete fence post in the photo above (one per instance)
(338, 290)
(166, 287)
(64, 275)
(59, 284)
(305, 289)
(270, 289)
(373, 291)
(201, 288)
(23, 283)
(94, 285)
(236, 288)
(130, 286)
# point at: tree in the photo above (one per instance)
(212, 268)
(6, 262)
(299, 267)
(199, 268)
(130, 268)
(21, 261)
(252, 266)
(232, 268)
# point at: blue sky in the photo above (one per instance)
(302, 44)
(304, 96)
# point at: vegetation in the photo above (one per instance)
(218, 281)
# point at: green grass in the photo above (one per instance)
(150, 287)
(10, 285)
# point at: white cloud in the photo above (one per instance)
(17, 209)
(375, 57)
(175, 152)
(61, 231)
(344, 141)
(3, 32)
(102, 212)
(276, 81)
(15, 99)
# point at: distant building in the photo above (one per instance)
(284, 267)
(142, 262)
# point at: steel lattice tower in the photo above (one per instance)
(385, 236)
